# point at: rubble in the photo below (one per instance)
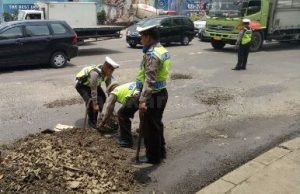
(72, 161)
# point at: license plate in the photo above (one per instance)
(217, 37)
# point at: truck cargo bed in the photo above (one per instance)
(98, 31)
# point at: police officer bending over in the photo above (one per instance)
(88, 85)
(127, 95)
(151, 81)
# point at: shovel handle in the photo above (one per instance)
(86, 112)
(137, 157)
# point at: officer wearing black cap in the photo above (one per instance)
(88, 85)
(243, 45)
(151, 81)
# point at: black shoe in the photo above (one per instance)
(146, 160)
(125, 144)
(243, 68)
(236, 69)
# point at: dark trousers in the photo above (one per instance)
(85, 93)
(153, 127)
(243, 53)
(125, 114)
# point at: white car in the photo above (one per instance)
(200, 24)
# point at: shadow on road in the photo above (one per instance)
(30, 68)
(96, 51)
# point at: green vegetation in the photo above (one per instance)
(101, 17)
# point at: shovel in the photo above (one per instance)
(137, 157)
(86, 113)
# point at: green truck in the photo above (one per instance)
(270, 20)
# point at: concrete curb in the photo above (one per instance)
(275, 171)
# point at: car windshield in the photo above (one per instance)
(21, 15)
(139, 23)
(226, 8)
(204, 18)
(150, 22)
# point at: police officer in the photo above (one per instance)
(88, 85)
(243, 45)
(127, 95)
(151, 81)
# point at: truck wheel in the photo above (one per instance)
(217, 44)
(185, 40)
(132, 45)
(58, 60)
(257, 41)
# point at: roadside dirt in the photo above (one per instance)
(64, 102)
(72, 161)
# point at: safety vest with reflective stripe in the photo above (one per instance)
(247, 36)
(165, 63)
(123, 92)
(84, 75)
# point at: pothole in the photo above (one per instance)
(213, 96)
(64, 102)
(175, 76)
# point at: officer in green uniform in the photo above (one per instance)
(243, 45)
(88, 85)
(151, 81)
(127, 95)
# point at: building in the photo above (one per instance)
(116, 10)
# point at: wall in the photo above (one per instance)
(118, 10)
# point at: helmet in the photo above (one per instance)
(246, 20)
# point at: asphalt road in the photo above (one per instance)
(214, 122)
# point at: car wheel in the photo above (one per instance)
(132, 45)
(58, 60)
(185, 40)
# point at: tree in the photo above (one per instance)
(7, 17)
(101, 17)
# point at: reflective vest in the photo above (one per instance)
(247, 36)
(163, 73)
(123, 92)
(84, 75)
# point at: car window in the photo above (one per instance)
(15, 32)
(37, 30)
(58, 29)
(188, 22)
(166, 23)
(177, 21)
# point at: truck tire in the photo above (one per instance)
(257, 41)
(217, 44)
(58, 60)
(185, 40)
